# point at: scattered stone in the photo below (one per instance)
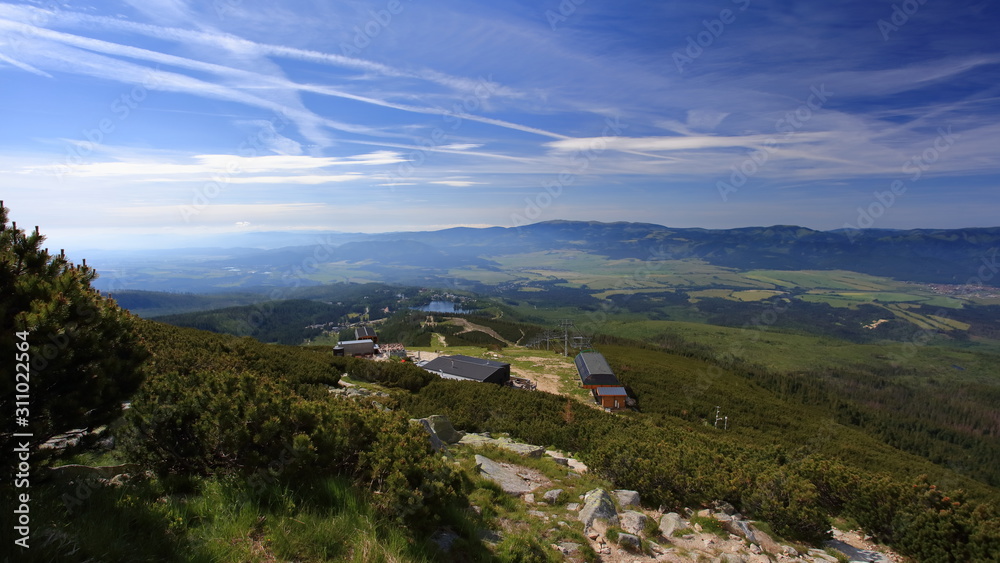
(731, 558)
(724, 507)
(632, 522)
(573, 506)
(597, 505)
(444, 539)
(569, 547)
(538, 514)
(508, 480)
(593, 535)
(529, 498)
(561, 460)
(669, 523)
(629, 541)
(74, 472)
(705, 513)
(490, 536)
(822, 555)
(626, 498)
(552, 496)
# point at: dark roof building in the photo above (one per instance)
(365, 333)
(468, 368)
(355, 348)
(594, 371)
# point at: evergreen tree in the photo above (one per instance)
(70, 355)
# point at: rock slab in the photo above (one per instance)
(669, 523)
(627, 498)
(509, 481)
(597, 505)
(632, 522)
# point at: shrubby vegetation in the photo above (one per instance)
(794, 475)
(78, 355)
(249, 406)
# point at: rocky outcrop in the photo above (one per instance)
(511, 483)
(632, 522)
(436, 442)
(630, 542)
(526, 450)
(626, 498)
(597, 505)
(669, 523)
(443, 428)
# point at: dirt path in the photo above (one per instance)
(545, 381)
(470, 327)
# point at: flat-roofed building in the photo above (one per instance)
(469, 368)
(611, 397)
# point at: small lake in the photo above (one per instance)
(442, 307)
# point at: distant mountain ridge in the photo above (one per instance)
(941, 256)
(952, 256)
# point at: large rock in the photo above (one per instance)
(443, 428)
(632, 522)
(627, 498)
(740, 528)
(670, 523)
(509, 481)
(765, 542)
(525, 450)
(597, 505)
(630, 542)
(436, 441)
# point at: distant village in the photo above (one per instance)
(592, 368)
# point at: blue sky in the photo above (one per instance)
(162, 122)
